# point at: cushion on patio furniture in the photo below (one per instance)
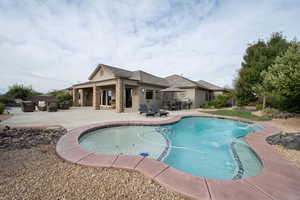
(155, 109)
(144, 109)
(52, 107)
(27, 106)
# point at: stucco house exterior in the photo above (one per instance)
(115, 88)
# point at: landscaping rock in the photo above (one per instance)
(25, 138)
(288, 140)
(282, 115)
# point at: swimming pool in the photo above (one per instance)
(201, 146)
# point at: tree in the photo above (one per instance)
(284, 77)
(258, 58)
(61, 95)
(19, 91)
(260, 90)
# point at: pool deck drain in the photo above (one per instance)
(279, 179)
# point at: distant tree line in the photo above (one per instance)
(19, 91)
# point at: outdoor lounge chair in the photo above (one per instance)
(155, 109)
(144, 109)
(27, 106)
(52, 107)
(42, 106)
(65, 105)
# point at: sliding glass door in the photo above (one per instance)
(106, 97)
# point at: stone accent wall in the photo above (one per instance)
(75, 97)
(119, 96)
(96, 98)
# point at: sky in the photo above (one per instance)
(53, 44)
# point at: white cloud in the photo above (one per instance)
(53, 44)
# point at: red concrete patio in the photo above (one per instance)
(279, 179)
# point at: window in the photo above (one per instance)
(149, 94)
(106, 97)
(207, 96)
(157, 95)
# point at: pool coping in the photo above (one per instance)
(279, 179)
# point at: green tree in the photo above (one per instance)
(261, 90)
(258, 58)
(19, 91)
(61, 95)
(284, 77)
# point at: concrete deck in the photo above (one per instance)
(279, 179)
(78, 116)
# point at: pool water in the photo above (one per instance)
(205, 147)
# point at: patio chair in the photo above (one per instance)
(52, 106)
(42, 106)
(144, 109)
(154, 108)
(65, 105)
(27, 106)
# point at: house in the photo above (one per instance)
(115, 88)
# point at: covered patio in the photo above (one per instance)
(107, 94)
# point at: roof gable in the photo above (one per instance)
(145, 77)
(209, 85)
(182, 82)
(115, 72)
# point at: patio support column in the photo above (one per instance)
(75, 97)
(96, 98)
(119, 95)
(81, 97)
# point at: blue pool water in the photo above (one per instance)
(206, 147)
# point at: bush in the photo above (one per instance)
(221, 101)
(17, 91)
(4, 99)
(241, 103)
(64, 97)
(205, 106)
(259, 106)
(2, 107)
(61, 95)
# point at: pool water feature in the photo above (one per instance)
(201, 146)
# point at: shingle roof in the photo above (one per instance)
(145, 77)
(115, 70)
(182, 82)
(139, 75)
(209, 85)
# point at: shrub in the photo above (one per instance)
(259, 106)
(241, 103)
(64, 97)
(61, 95)
(205, 106)
(4, 99)
(2, 107)
(220, 101)
(17, 91)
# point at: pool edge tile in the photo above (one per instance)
(127, 162)
(236, 189)
(98, 160)
(150, 168)
(184, 183)
(74, 155)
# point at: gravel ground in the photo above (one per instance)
(38, 173)
(292, 155)
(5, 116)
(288, 125)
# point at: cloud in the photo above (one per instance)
(53, 44)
